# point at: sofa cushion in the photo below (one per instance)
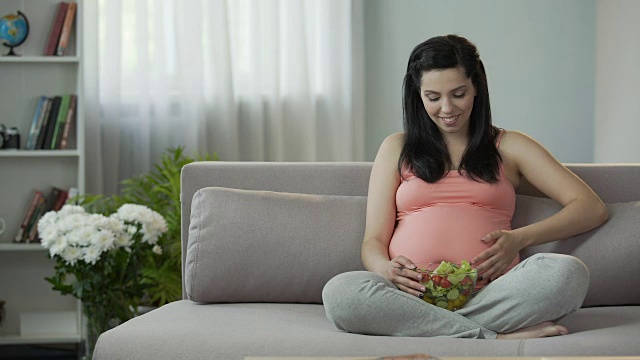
(187, 330)
(263, 246)
(597, 331)
(615, 242)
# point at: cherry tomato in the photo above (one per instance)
(425, 278)
(445, 283)
(436, 280)
(465, 281)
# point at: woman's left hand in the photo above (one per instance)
(495, 260)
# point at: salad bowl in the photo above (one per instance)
(448, 285)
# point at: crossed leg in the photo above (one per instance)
(523, 303)
(520, 304)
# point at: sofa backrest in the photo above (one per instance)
(343, 178)
(225, 231)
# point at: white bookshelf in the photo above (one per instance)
(6, 247)
(23, 267)
(39, 59)
(40, 339)
(39, 153)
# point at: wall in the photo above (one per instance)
(617, 109)
(539, 56)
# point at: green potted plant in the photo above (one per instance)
(159, 190)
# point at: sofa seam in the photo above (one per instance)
(521, 347)
(197, 247)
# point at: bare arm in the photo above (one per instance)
(381, 205)
(381, 217)
(582, 208)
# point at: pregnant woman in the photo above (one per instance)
(444, 189)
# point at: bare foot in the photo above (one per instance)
(544, 329)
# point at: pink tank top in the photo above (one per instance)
(446, 220)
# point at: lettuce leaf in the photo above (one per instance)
(445, 268)
(436, 290)
(455, 273)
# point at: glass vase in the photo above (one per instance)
(97, 319)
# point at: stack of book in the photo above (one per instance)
(61, 29)
(52, 122)
(40, 205)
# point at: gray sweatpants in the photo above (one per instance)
(543, 287)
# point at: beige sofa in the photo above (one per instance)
(255, 263)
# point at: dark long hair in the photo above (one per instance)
(424, 151)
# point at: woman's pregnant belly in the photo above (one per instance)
(449, 232)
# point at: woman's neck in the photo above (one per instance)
(456, 141)
(456, 145)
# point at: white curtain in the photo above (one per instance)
(251, 80)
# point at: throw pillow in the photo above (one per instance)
(610, 251)
(263, 246)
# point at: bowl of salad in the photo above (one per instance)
(448, 285)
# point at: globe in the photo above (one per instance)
(14, 29)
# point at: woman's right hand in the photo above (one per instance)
(401, 273)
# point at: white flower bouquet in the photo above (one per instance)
(99, 259)
(73, 235)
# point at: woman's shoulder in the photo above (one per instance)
(516, 138)
(393, 142)
(396, 138)
(390, 150)
(518, 144)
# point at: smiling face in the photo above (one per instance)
(448, 97)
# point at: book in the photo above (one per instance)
(64, 140)
(35, 124)
(45, 124)
(60, 120)
(52, 198)
(31, 232)
(53, 202)
(56, 29)
(61, 198)
(35, 200)
(44, 114)
(53, 116)
(66, 29)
